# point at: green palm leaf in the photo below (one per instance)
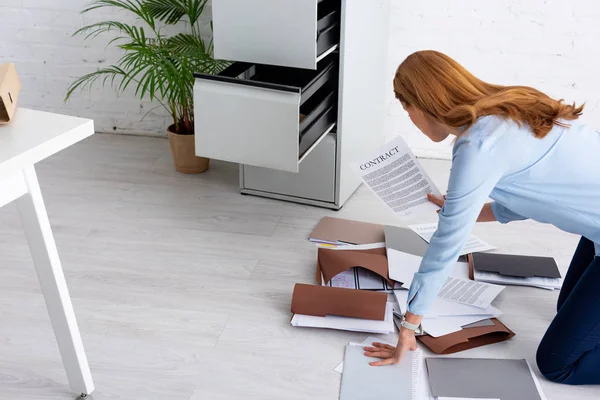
(157, 67)
(172, 11)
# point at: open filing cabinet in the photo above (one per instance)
(304, 97)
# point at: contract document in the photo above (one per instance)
(394, 174)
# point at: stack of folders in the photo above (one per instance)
(473, 378)
(540, 272)
(352, 280)
(351, 292)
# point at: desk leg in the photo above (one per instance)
(53, 284)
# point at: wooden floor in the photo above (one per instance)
(182, 286)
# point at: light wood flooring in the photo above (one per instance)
(182, 286)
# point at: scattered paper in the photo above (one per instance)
(539, 282)
(359, 278)
(423, 386)
(402, 266)
(536, 381)
(344, 246)
(468, 292)
(474, 244)
(397, 178)
(367, 342)
(445, 308)
(480, 324)
(348, 324)
(441, 326)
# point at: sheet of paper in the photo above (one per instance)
(474, 244)
(348, 324)
(345, 246)
(536, 382)
(367, 342)
(360, 381)
(469, 292)
(441, 326)
(423, 386)
(480, 324)
(442, 308)
(542, 283)
(397, 178)
(402, 266)
(359, 278)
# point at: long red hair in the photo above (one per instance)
(446, 91)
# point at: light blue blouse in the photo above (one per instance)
(554, 180)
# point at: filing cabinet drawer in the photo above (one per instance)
(315, 179)
(290, 33)
(263, 115)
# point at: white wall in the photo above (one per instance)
(553, 45)
(550, 44)
(37, 36)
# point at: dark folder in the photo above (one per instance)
(517, 266)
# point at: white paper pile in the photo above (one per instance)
(447, 317)
(539, 282)
(348, 324)
(474, 244)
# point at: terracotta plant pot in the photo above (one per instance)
(184, 153)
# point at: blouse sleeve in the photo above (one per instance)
(472, 178)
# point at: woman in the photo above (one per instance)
(527, 152)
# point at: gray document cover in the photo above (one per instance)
(404, 240)
(519, 266)
(481, 379)
(361, 381)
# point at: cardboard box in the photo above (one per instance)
(10, 87)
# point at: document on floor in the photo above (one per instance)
(468, 292)
(445, 308)
(348, 324)
(397, 178)
(474, 244)
(361, 381)
(367, 342)
(446, 317)
(535, 281)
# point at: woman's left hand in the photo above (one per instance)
(390, 354)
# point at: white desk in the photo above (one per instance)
(31, 137)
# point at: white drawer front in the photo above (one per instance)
(315, 179)
(273, 32)
(246, 124)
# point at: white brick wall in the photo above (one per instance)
(549, 44)
(553, 45)
(37, 36)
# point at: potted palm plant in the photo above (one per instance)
(159, 66)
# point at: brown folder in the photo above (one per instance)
(344, 230)
(324, 300)
(467, 338)
(331, 262)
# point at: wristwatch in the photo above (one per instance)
(411, 327)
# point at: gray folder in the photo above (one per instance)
(481, 379)
(513, 265)
(404, 240)
(361, 381)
